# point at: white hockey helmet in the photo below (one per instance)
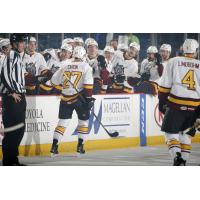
(79, 52)
(152, 49)
(78, 39)
(92, 43)
(52, 52)
(166, 47)
(122, 47)
(88, 40)
(109, 49)
(190, 46)
(32, 39)
(67, 41)
(4, 42)
(135, 45)
(67, 47)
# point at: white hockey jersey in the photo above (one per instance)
(79, 74)
(130, 66)
(164, 63)
(35, 64)
(94, 64)
(181, 81)
(152, 68)
(109, 65)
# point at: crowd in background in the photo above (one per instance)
(115, 68)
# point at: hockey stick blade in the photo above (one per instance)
(114, 134)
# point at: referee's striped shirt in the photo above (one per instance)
(12, 74)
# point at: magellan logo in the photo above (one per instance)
(158, 116)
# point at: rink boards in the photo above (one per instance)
(135, 117)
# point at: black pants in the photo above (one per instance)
(177, 120)
(12, 114)
(66, 110)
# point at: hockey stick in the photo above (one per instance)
(114, 134)
(11, 128)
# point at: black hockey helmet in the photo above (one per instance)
(18, 37)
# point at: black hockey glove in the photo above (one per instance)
(158, 59)
(145, 76)
(47, 56)
(191, 131)
(89, 103)
(101, 61)
(162, 106)
(119, 79)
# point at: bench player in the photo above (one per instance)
(80, 75)
(179, 90)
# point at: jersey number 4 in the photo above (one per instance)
(74, 77)
(189, 80)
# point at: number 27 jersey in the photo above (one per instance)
(73, 75)
(181, 81)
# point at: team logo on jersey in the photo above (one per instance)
(119, 69)
(31, 68)
(158, 116)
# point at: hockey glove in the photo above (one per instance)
(158, 59)
(89, 103)
(101, 61)
(162, 106)
(145, 76)
(47, 56)
(192, 130)
(30, 79)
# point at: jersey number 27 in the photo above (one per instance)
(68, 76)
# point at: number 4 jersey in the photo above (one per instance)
(180, 83)
(73, 75)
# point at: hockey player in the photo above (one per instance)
(131, 65)
(35, 65)
(4, 46)
(54, 63)
(108, 54)
(165, 52)
(75, 74)
(179, 97)
(98, 64)
(124, 67)
(117, 74)
(151, 69)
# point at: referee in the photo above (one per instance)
(12, 89)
